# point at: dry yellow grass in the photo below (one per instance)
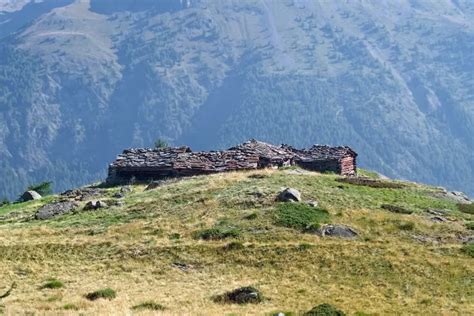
(134, 250)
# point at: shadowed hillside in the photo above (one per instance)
(81, 80)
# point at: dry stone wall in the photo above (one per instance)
(146, 164)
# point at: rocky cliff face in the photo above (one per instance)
(81, 80)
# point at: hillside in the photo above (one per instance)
(179, 245)
(82, 80)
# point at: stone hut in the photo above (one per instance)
(145, 164)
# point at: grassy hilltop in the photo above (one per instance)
(172, 249)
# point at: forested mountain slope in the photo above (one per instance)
(81, 80)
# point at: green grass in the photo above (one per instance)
(466, 208)
(136, 250)
(470, 225)
(217, 233)
(70, 307)
(468, 249)
(52, 284)
(106, 293)
(299, 216)
(149, 305)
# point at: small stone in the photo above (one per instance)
(126, 189)
(118, 195)
(438, 219)
(313, 203)
(30, 196)
(289, 195)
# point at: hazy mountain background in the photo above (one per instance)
(81, 80)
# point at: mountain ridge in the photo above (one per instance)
(392, 81)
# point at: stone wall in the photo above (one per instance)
(144, 165)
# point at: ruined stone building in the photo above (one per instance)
(146, 164)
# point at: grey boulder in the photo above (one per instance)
(54, 209)
(289, 195)
(94, 205)
(340, 231)
(30, 196)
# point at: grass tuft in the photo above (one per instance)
(251, 216)
(71, 307)
(324, 310)
(107, 293)
(243, 295)
(217, 233)
(300, 216)
(52, 284)
(149, 305)
(234, 245)
(405, 225)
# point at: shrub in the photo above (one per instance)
(149, 305)
(160, 144)
(43, 188)
(470, 225)
(466, 208)
(324, 310)
(107, 293)
(243, 295)
(468, 249)
(52, 284)
(217, 233)
(299, 216)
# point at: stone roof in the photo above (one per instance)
(247, 155)
(322, 152)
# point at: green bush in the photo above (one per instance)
(300, 216)
(466, 208)
(468, 249)
(149, 305)
(324, 310)
(43, 188)
(470, 225)
(52, 284)
(160, 144)
(217, 233)
(107, 293)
